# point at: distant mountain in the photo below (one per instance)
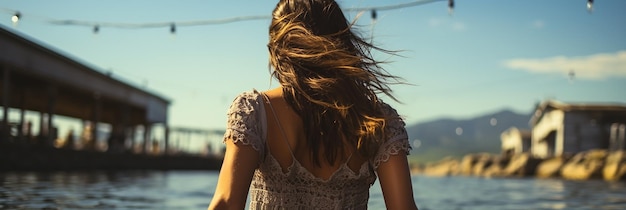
(437, 139)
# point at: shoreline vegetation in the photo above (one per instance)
(592, 164)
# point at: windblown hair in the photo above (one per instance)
(329, 77)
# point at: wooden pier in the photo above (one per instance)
(37, 78)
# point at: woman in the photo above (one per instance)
(319, 140)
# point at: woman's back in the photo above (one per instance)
(283, 178)
(288, 178)
(292, 143)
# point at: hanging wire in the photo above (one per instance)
(157, 24)
(391, 7)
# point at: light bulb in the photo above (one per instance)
(173, 28)
(374, 15)
(16, 17)
(450, 6)
(589, 5)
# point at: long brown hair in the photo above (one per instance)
(329, 77)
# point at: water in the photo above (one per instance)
(193, 190)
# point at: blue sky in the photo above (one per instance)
(487, 56)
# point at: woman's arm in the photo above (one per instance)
(233, 183)
(395, 181)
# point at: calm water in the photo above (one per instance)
(193, 190)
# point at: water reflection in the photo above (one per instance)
(81, 190)
(192, 190)
(522, 193)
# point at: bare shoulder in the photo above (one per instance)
(274, 93)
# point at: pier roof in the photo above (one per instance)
(42, 79)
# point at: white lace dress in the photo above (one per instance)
(298, 188)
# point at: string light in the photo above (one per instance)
(97, 25)
(589, 5)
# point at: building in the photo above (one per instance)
(515, 141)
(565, 129)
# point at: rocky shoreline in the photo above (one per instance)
(592, 164)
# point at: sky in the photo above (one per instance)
(485, 56)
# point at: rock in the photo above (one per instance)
(467, 163)
(585, 165)
(492, 171)
(445, 167)
(596, 154)
(474, 164)
(416, 168)
(551, 167)
(521, 165)
(484, 162)
(479, 167)
(495, 169)
(516, 165)
(615, 166)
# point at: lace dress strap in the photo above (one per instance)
(282, 131)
